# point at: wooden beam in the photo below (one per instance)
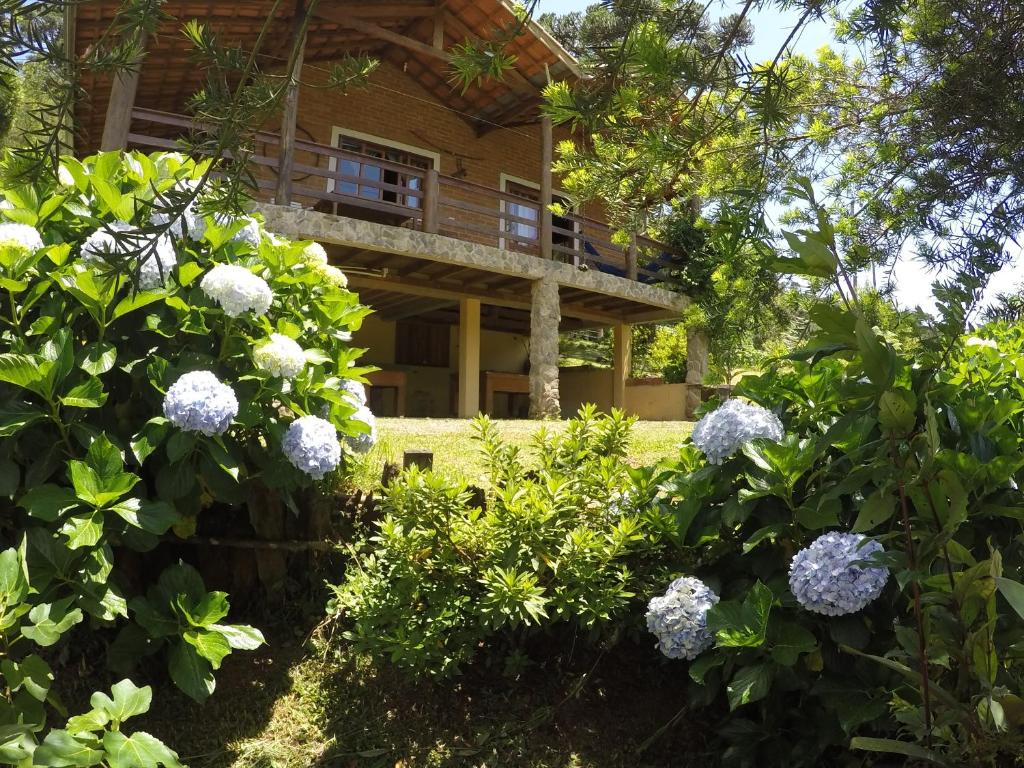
(289, 117)
(119, 107)
(341, 16)
(469, 358)
(547, 155)
(439, 29)
(621, 364)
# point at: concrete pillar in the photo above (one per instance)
(545, 316)
(469, 358)
(696, 368)
(621, 363)
(118, 122)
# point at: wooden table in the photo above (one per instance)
(395, 380)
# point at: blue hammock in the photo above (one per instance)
(655, 265)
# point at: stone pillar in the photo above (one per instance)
(696, 368)
(545, 316)
(469, 358)
(621, 363)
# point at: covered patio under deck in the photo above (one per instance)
(462, 327)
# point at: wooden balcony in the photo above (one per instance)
(341, 182)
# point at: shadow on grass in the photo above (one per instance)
(286, 708)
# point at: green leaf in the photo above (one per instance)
(98, 358)
(25, 371)
(154, 517)
(703, 664)
(83, 530)
(15, 416)
(1013, 591)
(891, 746)
(140, 750)
(62, 750)
(239, 636)
(126, 700)
(878, 359)
(875, 510)
(13, 584)
(897, 411)
(180, 445)
(149, 438)
(50, 621)
(190, 671)
(48, 502)
(31, 673)
(212, 646)
(88, 394)
(749, 684)
(742, 625)
(10, 477)
(136, 301)
(212, 608)
(789, 641)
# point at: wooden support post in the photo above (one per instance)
(631, 259)
(622, 363)
(439, 29)
(421, 459)
(547, 156)
(289, 116)
(696, 368)
(431, 201)
(118, 122)
(469, 358)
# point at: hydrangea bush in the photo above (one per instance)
(148, 373)
(858, 512)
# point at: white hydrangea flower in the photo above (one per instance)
(314, 253)
(249, 233)
(975, 341)
(102, 243)
(199, 402)
(824, 579)
(6, 205)
(237, 290)
(311, 445)
(280, 356)
(158, 263)
(364, 441)
(727, 429)
(64, 176)
(21, 236)
(190, 224)
(329, 274)
(679, 618)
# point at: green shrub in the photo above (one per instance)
(571, 540)
(104, 309)
(921, 455)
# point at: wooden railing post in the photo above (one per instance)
(431, 201)
(631, 259)
(547, 156)
(117, 124)
(289, 117)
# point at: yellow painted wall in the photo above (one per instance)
(650, 402)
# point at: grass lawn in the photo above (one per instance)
(456, 454)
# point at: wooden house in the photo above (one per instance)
(433, 200)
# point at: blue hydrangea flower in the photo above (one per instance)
(679, 618)
(825, 579)
(356, 392)
(199, 402)
(311, 445)
(364, 441)
(727, 429)
(237, 290)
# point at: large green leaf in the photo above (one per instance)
(191, 672)
(154, 517)
(140, 750)
(212, 646)
(88, 394)
(31, 673)
(1013, 591)
(13, 584)
(891, 746)
(789, 641)
(875, 510)
(50, 621)
(60, 749)
(48, 502)
(742, 625)
(15, 416)
(126, 700)
(749, 684)
(239, 636)
(26, 371)
(98, 358)
(83, 530)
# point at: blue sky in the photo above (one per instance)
(771, 28)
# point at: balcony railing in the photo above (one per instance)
(409, 196)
